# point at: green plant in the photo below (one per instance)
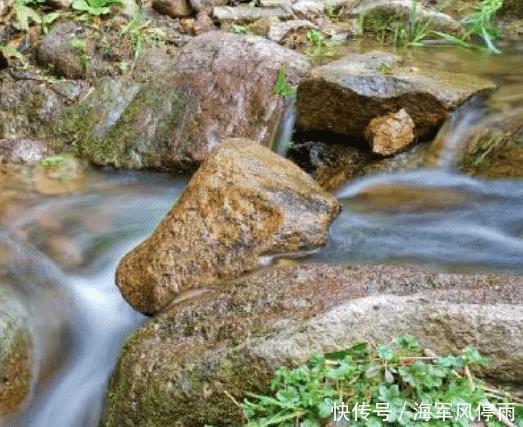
(393, 385)
(405, 32)
(317, 43)
(25, 13)
(240, 28)
(9, 52)
(282, 88)
(139, 33)
(94, 7)
(52, 161)
(81, 50)
(479, 25)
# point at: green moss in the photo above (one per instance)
(495, 155)
(133, 131)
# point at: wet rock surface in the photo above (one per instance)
(180, 364)
(331, 165)
(345, 95)
(245, 204)
(16, 374)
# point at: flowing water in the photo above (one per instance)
(435, 217)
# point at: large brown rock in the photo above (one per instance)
(220, 85)
(244, 205)
(345, 95)
(180, 365)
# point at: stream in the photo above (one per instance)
(434, 217)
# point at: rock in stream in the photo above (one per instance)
(244, 205)
(179, 366)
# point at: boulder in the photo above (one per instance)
(220, 85)
(28, 151)
(345, 95)
(243, 206)
(184, 364)
(390, 133)
(278, 31)
(32, 322)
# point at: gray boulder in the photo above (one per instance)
(184, 364)
(345, 95)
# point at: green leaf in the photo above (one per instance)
(281, 87)
(24, 15)
(473, 357)
(358, 350)
(10, 52)
(80, 5)
(386, 353)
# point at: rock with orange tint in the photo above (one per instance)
(390, 133)
(244, 205)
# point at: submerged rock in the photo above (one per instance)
(345, 95)
(220, 86)
(244, 205)
(16, 376)
(185, 363)
(331, 165)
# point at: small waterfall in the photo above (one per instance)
(455, 133)
(289, 118)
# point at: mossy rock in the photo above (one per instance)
(124, 124)
(496, 151)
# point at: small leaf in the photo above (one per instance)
(80, 5)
